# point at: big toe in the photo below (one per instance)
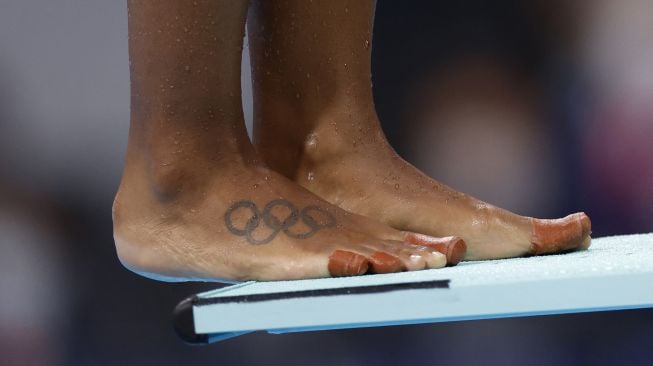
(568, 233)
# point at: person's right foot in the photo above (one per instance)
(368, 178)
(241, 221)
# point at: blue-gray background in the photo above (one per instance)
(542, 107)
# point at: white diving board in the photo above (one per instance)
(615, 273)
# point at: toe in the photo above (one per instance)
(453, 247)
(434, 259)
(568, 233)
(346, 263)
(382, 262)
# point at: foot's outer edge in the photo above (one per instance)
(568, 233)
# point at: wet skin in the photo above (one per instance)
(195, 201)
(315, 123)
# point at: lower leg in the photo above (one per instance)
(317, 85)
(312, 79)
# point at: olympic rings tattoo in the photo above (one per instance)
(274, 223)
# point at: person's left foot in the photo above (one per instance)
(346, 160)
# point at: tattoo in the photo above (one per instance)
(306, 215)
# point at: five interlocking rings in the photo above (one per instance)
(267, 217)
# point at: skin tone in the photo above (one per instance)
(195, 201)
(315, 123)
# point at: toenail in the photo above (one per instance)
(345, 263)
(550, 236)
(381, 262)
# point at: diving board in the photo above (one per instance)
(615, 273)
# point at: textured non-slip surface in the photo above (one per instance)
(609, 256)
(615, 273)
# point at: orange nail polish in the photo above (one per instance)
(381, 262)
(551, 236)
(345, 263)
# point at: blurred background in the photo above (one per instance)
(541, 107)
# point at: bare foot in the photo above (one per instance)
(359, 171)
(244, 222)
(195, 203)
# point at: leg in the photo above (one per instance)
(316, 84)
(195, 203)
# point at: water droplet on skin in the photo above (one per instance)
(346, 10)
(308, 75)
(255, 185)
(311, 141)
(396, 186)
(297, 96)
(367, 44)
(310, 176)
(187, 68)
(193, 210)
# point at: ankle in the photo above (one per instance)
(313, 138)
